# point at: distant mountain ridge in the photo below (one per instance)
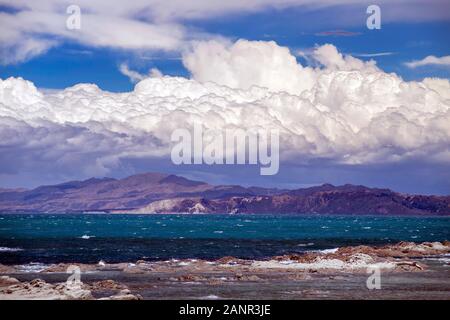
(166, 193)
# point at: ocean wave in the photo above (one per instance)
(86, 237)
(32, 267)
(326, 251)
(6, 249)
(305, 244)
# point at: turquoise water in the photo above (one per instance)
(114, 238)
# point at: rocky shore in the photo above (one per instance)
(230, 277)
(38, 289)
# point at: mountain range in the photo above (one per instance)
(166, 193)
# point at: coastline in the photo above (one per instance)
(408, 271)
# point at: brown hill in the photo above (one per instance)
(165, 193)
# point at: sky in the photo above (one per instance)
(353, 105)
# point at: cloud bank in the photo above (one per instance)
(345, 111)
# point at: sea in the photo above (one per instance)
(89, 238)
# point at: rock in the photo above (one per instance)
(6, 269)
(38, 283)
(227, 260)
(241, 277)
(6, 281)
(38, 289)
(78, 294)
(190, 278)
(410, 266)
(107, 285)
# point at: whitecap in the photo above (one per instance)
(32, 267)
(326, 251)
(305, 244)
(6, 249)
(86, 237)
(218, 231)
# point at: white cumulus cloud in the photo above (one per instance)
(346, 111)
(248, 63)
(135, 76)
(429, 60)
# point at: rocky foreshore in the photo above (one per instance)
(403, 257)
(38, 289)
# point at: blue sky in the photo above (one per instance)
(71, 62)
(155, 34)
